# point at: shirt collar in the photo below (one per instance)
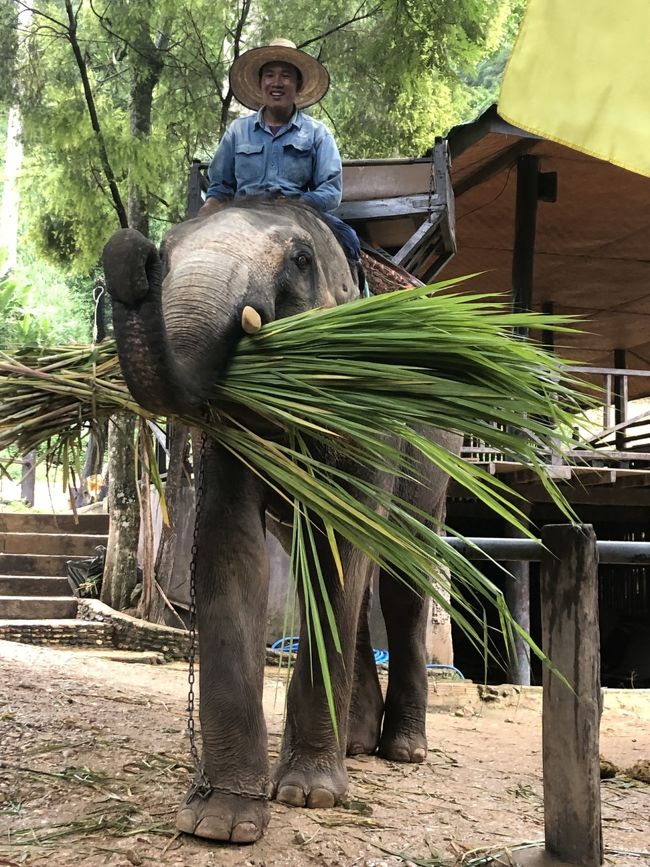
(295, 120)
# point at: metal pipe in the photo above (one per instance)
(487, 548)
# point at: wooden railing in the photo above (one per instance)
(622, 435)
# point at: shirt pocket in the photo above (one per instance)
(248, 164)
(297, 164)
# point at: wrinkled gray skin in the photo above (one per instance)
(177, 319)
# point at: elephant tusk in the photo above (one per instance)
(251, 321)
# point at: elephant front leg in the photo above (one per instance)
(403, 737)
(232, 587)
(367, 702)
(311, 768)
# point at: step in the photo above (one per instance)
(62, 631)
(35, 564)
(36, 522)
(70, 544)
(37, 607)
(33, 585)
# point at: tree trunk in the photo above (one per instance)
(121, 567)
(146, 526)
(178, 481)
(28, 478)
(10, 196)
(439, 643)
(120, 573)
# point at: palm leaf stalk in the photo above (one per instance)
(352, 379)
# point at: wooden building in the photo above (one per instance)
(557, 231)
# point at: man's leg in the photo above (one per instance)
(349, 241)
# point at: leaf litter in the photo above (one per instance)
(111, 799)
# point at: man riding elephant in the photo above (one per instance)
(280, 150)
(179, 313)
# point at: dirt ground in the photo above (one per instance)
(94, 760)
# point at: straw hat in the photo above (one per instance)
(245, 73)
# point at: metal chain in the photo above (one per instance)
(202, 787)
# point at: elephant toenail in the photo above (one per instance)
(186, 821)
(399, 754)
(321, 799)
(245, 832)
(419, 754)
(292, 795)
(355, 749)
(213, 827)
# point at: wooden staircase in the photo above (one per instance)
(35, 596)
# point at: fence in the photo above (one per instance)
(569, 556)
(621, 435)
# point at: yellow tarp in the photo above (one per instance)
(580, 75)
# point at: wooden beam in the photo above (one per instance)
(571, 715)
(504, 159)
(590, 476)
(638, 479)
(612, 456)
(503, 468)
(559, 472)
(384, 209)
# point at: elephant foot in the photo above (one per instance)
(310, 783)
(366, 707)
(404, 738)
(364, 728)
(402, 748)
(229, 818)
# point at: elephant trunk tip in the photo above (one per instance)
(130, 261)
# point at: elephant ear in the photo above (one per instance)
(130, 262)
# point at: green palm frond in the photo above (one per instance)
(354, 379)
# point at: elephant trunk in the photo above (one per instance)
(153, 374)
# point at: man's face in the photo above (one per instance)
(279, 85)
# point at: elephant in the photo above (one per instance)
(178, 314)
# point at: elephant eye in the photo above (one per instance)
(303, 261)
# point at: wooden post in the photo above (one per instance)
(523, 253)
(620, 399)
(571, 719)
(194, 198)
(517, 590)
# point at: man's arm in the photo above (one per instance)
(327, 176)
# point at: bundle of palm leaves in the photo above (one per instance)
(353, 377)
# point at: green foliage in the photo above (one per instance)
(399, 75)
(37, 307)
(402, 72)
(19, 324)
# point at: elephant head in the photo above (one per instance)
(178, 314)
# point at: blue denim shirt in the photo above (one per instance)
(302, 159)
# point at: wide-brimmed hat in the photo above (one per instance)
(245, 73)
